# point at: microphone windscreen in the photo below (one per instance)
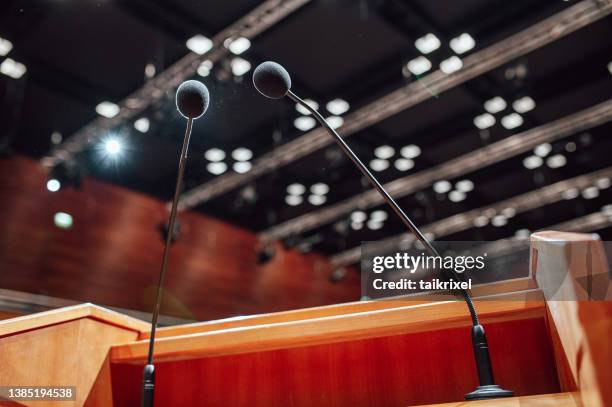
(271, 80)
(192, 99)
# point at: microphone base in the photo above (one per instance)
(491, 391)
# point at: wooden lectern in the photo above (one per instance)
(551, 352)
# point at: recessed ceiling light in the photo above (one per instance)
(302, 110)
(216, 168)
(317, 200)
(495, 105)
(5, 46)
(419, 65)
(62, 220)
(374, 225)
(464, 185)
(379, 164)
(242, 154)
(410, 151)
(403, 164)
(112, 146)
(610, 67)
(607, 210)
(337, 106)
(442, 187)
(56, 137)
(304, 123)
(463, 43)
(296, 189)
(556, 161)
(293, 200)
(509, 212)
(150, 70)
(570, 147)
(356, 225)
(335, 121)
(427, 43)
(570, 193)
(522, 234)
(384, 152)
(53, 185)
(240, 66)
(107, 109)
(199, 44)
(242, 166)
(542, 150)
(205, 68)
(379, 216)
(214, 154)
(590, 193)
(239, 45)
(456, 196)
(603, 183)
(358, 216)
(450, 65)
(484, 121)
(12, 68)
(532, 162)
(499, 220)
(481, 221)
(142, 125)
(524, 104)
(512, 121)
(319, 188)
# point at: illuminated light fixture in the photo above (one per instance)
(317, 200)
(509, 212)
(542, 150)
(142, 125)
(5, 47)
(216, 168)
(53, 185)
(379, 164)
(603, 183)
(12, 68)
(410, 151)
(590, 193)
(481, 221)
(337, 106)
(499, 221)
(242, 166)
(214, 154)
(462, 43)
(570, 147)
(419, 65)
(450, 65)
(357, 225)
(607, 210)
(484, 121)
(150, 70)
(512, 121)
(293, 200)
(610, 67)
(379, 216)
(522, 234)
(240, 66)
(112, 146)
(304, 123)
(238, 46)
(570, 193)
(302, 110)
(296, 189)
(403, 164)
(532, 162)
(62, 220)
(56, 137)
(205, 68)
(465, 185)
(442, 187)
(358, 217)
(427, 43)
(374, 225)
(242, 154)
(199, 44)
(495, 105)
(319, 188)
(107, 109)
(556, 161)
(384, 152)
(456, 196)
(524, 104)
(335, 121)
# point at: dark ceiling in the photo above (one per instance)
(80, 53)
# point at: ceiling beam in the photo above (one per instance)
(507, 50)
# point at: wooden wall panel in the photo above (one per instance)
(111, 255)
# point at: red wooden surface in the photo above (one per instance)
(402, 370)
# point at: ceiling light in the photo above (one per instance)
(464, 185)
(199, 44)
(53, 185)
(214, 154)
(403, 164)
(242, 166)
(384, 152)
(603, 183)
(462, 43)
(607, 210)
(293, 200)
(142, 125)
(304, 123)
(216, 168)
(12, 68)
(481, 221)
(240, 66)
(335, 121)
(373, 225)
(56, 137)
(379, 164)
(150, 70)
(442, 187)
(410, 151)
(495, 105)
(358, 216)
(427, 43)
(523, 104)
(522, 234)
(379, 216)
(556, 161)
(317, 199)
(509, 212)
(590, 193)
(570, 193)
(610, 67)
(419, 65)
(296, 189)
(499, 220)
(242, 154)
(5, 47)
(205, 68)
(337, 106)
(456, 196)
(301, 109)
(112, 146)
(484, 121)
(357, 225)
(452, 64)
(239, 45)
(62, 220)
(542, 150)
(107, 109)
(532, 162)
(319, 188)
(570, 147)
(512, 121)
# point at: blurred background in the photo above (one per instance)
(488, 120)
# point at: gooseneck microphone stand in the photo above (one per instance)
(148, 387)
(487, 388)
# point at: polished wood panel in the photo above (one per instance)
(541, 400)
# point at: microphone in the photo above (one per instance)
(273, 81)
(192, 100)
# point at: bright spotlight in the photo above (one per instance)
(53, 185)
(112, 146)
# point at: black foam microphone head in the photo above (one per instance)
(192, 99)
(271, 80)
